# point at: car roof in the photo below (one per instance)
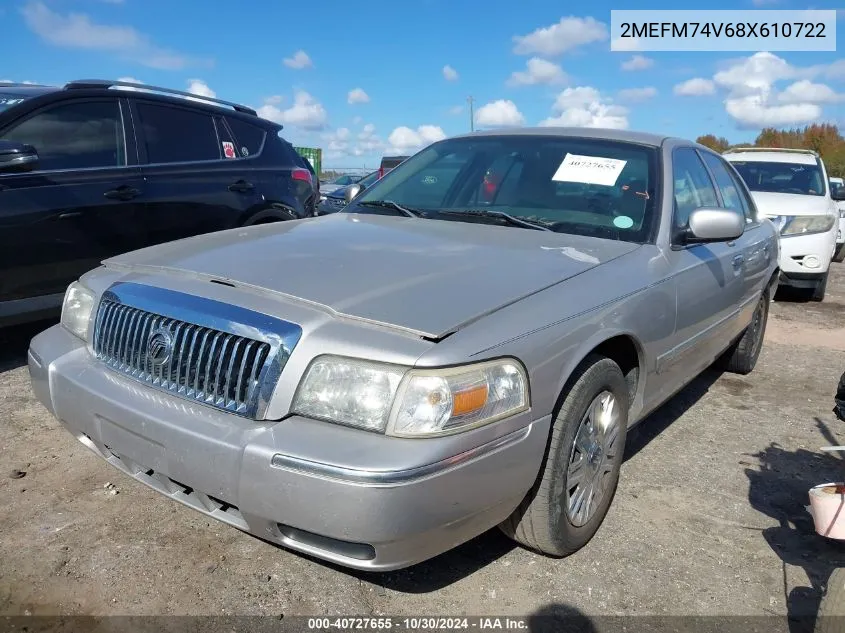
(26, 90)
(798, 158)
(643, 138)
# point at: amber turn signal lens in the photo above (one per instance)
(469, 401)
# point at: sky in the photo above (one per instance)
(364, 80)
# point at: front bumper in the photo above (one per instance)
(267, 478)
(797, 251)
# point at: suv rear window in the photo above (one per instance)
(176, 135)
(249, 138)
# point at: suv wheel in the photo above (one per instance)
(839, 254)
(580, 473)
(820, 289)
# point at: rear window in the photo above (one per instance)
(175, 135)
(248, 137)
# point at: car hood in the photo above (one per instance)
(771, 204)
(428, 277)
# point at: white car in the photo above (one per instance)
(840, 235)
(790, 187)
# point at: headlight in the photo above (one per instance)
(804, 224)
(411, 402)
(77, 308)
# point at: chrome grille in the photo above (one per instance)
(199, 363)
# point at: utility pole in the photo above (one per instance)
(470, 100)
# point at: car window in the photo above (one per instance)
(748, 206)
(781, 177)
(595, 187)
(250, 138)
(731, 197)
(79, 135)
(176, 135)
(7, 101)
(693, 188)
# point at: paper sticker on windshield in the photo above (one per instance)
(228, 149)
(590, 170)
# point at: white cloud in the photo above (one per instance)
(638, 62)
(638, 94)
(299, 61)
(130, 80)
(77, 30)
(752, 111)
(622, 44)
(695, 87)
(501, 113)
(357, 95)
(274, 100)
(753, 100)
(805, 91)
(571, 32)
(200, 88)
(306, 112)
(538, 71)
(404, 140)
(584, 106)
(6, 81)
(449, 73)
(343, 142)
(456, 110)
(357, 120)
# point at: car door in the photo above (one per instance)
(195, 182)
(82, 203)
(754, 246)
(708, 277)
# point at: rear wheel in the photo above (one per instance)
(580, 473)
(839, 254)
(821, 288)
(742, 357)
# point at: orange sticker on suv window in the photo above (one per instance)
(228, 149)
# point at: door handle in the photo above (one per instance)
(737, 261)
(241, 186)
(122, 193)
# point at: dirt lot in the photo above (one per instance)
(709, 516)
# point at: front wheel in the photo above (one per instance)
(820, 289)
(580, 472)
(839, 254)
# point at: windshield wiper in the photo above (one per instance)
(389, 204)
(501, 215)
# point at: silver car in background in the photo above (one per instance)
(464, 346)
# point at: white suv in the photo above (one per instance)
(790, 187)
(840, 235)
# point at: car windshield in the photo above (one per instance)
(368, 180)
(798, 178)
(7, 101)
(596, 187)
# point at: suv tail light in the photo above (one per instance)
(381, 172)
(300, 173)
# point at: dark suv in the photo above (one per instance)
(87, 172)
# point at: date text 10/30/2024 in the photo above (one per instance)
(416, 624)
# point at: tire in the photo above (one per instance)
(820, 289)
(542, 522)
(831, 615)
(742, 356)
(839, 253)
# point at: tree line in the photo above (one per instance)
(823, 138)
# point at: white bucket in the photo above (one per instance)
(827, 505)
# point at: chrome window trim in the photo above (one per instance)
(281, 335)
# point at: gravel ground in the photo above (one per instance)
(709, 518)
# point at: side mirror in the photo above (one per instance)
(17, 157)
(351, 192)
(838, 194)
(714, 225)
